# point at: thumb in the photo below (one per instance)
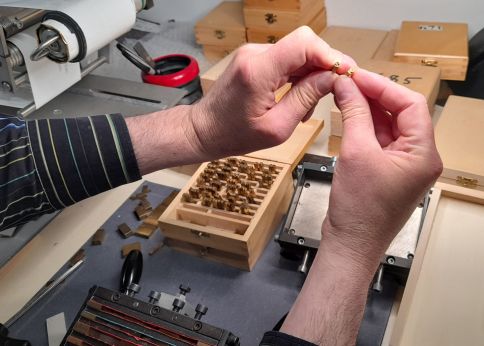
(299, 102)
(354, 107)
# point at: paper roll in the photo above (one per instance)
(47, 78)
(101, 21)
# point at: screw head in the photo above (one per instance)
(301, 241)
(391, 260)
(323, 169)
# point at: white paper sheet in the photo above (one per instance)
(56, 329)
(47, 79)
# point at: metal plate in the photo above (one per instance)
(311, 209)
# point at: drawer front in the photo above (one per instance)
(450, 68)
(272, 36)
(220, 36)
(216, 53)
(284, 20)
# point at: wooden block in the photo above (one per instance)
(460, 141)
(223, 26)
(79, 255)
(225, 228)
(281, 19)
(442, 302)
(421, 79)
(360, 44)
(387, 48)
(142, 212)
(216, 53)
(99, 237)
(126, 249)
(256, 35)
(444, 45)
(156, 248)
(125, 230)
(298, 5)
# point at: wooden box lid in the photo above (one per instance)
(360, 44)
(421, 79)
(387, 47)
(291, 151)
(432, 39)
(460, 141)
(299, 5)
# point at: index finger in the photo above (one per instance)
(408, 106)
(300, 50)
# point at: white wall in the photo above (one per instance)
(377, 14)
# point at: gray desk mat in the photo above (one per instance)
(246, 303)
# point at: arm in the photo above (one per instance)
(388, 160)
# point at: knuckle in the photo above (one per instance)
(242, 67)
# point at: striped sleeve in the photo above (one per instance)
(21, 194)
(80, 157)
(50, 164)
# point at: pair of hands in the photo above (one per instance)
(388, 158)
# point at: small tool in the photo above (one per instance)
(135, 59)
(43, 292)
(143, 53)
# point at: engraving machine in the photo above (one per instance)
(48, 49)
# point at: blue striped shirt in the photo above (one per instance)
(50, 164)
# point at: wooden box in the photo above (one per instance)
(257, 35)
(444, 45)
(260, 185)
(417, 78)
(216, 53)
(360, 44)
(296, 5)
(459, 135)
(281, 19)
(386, 50)
(442, 304)
(223, 26)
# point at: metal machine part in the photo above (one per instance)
(115, 318)
(301, 234)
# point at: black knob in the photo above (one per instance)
(132, 269)
(200, 310)
(184, 289)
(133, 289)
(178, 304)
(232, 340)
(154, 297)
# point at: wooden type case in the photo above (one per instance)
(443, 45)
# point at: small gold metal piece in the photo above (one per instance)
(351, 72)
(219, 34)
(467, 182)
(336, 66)
(430, 62)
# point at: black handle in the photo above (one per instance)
(6, 341)
(135, 59)
(132, 269)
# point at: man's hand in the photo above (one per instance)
(388, 160)
(240, 115)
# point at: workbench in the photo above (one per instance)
(234, 297)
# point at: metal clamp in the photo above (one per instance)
(43, 49)
(271, 18)
(467, 182)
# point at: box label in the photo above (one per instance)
(431, 27)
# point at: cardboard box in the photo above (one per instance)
(417, 78)
(237, 235)
(435, 44)
(256, 35)
(223, 26)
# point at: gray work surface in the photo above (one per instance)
(245, 303)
